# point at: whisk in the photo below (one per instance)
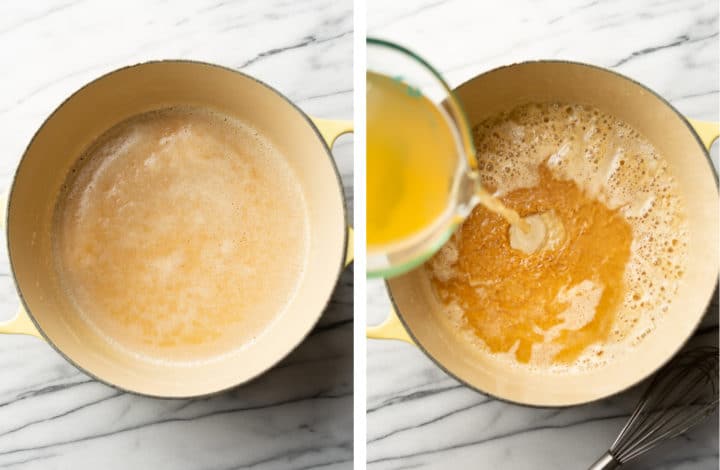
(679, 397)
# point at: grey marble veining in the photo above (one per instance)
(418, 417)
(300, 414)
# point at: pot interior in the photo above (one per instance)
(502, 90)
(90, 112)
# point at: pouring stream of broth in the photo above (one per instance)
(412, 162)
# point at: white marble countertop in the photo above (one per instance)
(418, 417)
(300, 414)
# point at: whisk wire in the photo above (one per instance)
(670, 434)
(679, 397)
(639, 422)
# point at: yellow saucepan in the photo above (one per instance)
(685, 144)
(47, 312)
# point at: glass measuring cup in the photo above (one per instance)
(421, 179)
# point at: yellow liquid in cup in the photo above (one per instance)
(411, 161)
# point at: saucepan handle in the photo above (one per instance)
(331, 129)
(20, 324)
(390, 328)
(706, 130)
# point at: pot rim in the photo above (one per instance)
(326, 302)
(666, 360)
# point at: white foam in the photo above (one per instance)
(443, 262)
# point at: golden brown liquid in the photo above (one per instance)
(621, 255)
(507, 295)
(172, 235)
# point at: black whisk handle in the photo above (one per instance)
(606, 462)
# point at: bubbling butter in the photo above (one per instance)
(604, 255)
(181, 236)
